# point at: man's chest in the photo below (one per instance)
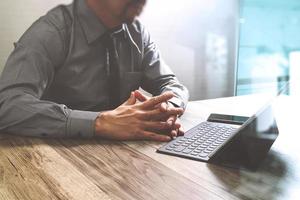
(84, 75)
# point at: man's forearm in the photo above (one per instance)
(23, 114)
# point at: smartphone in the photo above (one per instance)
(228, 119)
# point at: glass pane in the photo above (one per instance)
(269, 49)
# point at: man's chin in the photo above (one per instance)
(132, 14)
(130, 20)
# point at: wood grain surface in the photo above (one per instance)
(33, 168)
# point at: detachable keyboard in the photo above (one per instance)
(200, 142)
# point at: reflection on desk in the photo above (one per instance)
(33, 168)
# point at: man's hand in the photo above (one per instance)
(176, 128)
(134, 121)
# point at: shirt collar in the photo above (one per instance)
(92, 27)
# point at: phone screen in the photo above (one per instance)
(230, 119)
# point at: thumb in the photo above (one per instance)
(131, 100)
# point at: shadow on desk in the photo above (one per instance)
(267, 182)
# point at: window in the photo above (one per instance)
(269, 45)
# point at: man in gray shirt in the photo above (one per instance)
(61, 78)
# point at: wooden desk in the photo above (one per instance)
(85, 169)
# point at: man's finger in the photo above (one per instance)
(163, 106)
(174, 133)
(172, 119)
(180, 132)
(131, 100)
(172, 113)
(158, 115)
(156, 125)
(177, 125)
(141, 97)
(153, 101)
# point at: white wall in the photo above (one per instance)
(15, 17)
(197, 38)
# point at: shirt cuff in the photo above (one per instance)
(177, 102)
(81, 124)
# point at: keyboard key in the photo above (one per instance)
(224, 137)
(169, 148)
(227, 133)
(187, 151)
(214, 144)
(195, 137)
(190, 147)
(218, 142)
(200, 148)
(197, 150)
(206, 143)
(207, 151)
(214, 138)
(182, 140)
(185, 145)
(200, 140)
(202, 154)
(210, 140)
(211, 148)
(179, 149)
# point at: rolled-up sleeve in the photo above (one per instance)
(28, 73)
(158, 77)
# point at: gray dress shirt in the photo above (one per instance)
(55, 82)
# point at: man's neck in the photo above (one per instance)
(103, 14)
